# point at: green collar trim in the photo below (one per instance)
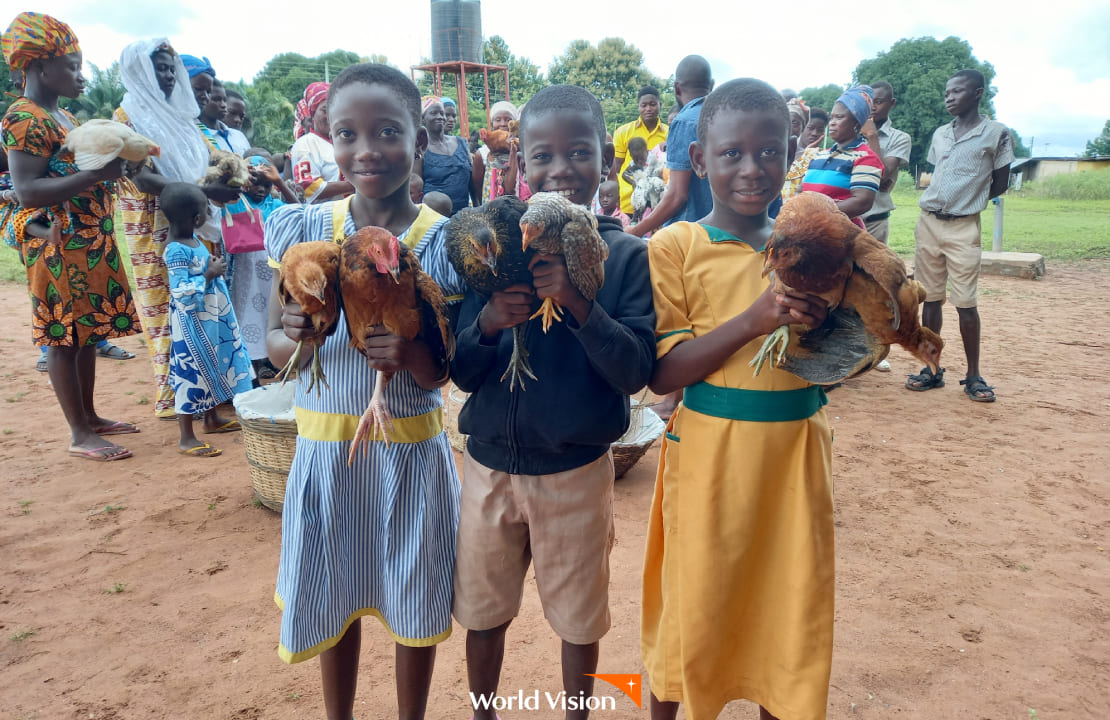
(717, 235)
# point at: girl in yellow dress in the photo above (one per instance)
(738, 573)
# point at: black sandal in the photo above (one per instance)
(925, 380)
(977, 389)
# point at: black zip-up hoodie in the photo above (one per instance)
(579, 404)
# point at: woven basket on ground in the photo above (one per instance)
(644, 428)
(270, 439)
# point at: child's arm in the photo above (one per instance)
(619, 340)
(216, 267)
(629, 175)
(270, 173)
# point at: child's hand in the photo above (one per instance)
(774, 309)
(221, 192)
(551, 280)
(296, 323)
(267, 171)
(217, 266)
(386, 352)
(505, 309)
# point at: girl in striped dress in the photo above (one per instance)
(376, 537)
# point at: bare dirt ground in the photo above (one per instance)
(973, 555)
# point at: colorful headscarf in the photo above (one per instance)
(427, 101)
(314, 95)
(34, 36)
(504, 106)
(196, 65)
(797, 107)
(858, 100)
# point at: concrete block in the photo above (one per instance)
(1014, 264)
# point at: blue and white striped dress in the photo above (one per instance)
(378, 537)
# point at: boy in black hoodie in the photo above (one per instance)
(538, 474)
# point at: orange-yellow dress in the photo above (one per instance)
(738, 572)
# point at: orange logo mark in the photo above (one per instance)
(627, 684)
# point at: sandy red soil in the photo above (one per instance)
(973, 555)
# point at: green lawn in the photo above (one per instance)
(1057, 229)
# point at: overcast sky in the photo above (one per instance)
(1052, 60)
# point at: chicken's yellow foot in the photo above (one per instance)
(551, 312)
(780, 337)
(316, 376)
(376, 418)
(290, 366)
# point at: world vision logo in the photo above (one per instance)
(627, 684)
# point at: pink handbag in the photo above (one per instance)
(242, 231)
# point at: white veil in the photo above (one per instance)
(170, 122)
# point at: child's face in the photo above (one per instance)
(236, 113)
(258, 190)
(416, 189)
(744, 158)
(639, 156)
(375, 139)
(561, 152)
(607, 196)
(500, 121)
(451, 113)
(814, 131)
(202, 89)
(217, 103)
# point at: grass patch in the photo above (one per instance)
(1091, 185)
(1057, 228)
(116, 589)
(21, 635)
(26, 506)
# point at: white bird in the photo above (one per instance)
(98, 142)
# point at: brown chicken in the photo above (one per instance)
(816, 249)
(553, 225)
(382, 285)
(310, 276)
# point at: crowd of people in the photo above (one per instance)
(738, 575)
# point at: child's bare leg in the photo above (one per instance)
(578, 660)
(414, 679)
(485, 652)
(663, 710)
(66, 365)
(339, 671)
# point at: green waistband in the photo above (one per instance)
(754, 405)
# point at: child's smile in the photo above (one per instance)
(562, 153)
(374, 139)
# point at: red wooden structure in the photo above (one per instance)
(459, 69)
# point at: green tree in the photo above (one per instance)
(823, 97)
(918, 69)
(614, 72)
(1020, 151)
(102, 95)
(290, 73)
(269, 115)
(1100, 146)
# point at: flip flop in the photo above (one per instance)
(40, 365)
(118, 428)
(204, 450)
(98, 454)
(115, 352)
(229, 426)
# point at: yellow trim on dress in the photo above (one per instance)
(339, 427)
(329, 643)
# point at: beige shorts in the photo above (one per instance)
(563, 523)
(948, 252)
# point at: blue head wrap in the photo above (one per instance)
(447, 101)
(196, 65)
(256, 160)
(858, 100)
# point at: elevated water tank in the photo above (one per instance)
(456, 30)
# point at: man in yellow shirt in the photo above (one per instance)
(649, 128)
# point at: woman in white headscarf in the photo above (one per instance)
(498, 169)
(160, 105)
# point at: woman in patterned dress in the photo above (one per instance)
(79, 291)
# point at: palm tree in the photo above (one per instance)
(103, 94)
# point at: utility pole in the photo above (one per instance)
(327, 74)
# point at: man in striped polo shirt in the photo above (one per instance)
(972, 156)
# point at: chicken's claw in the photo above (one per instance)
(518, 363)
(551, 312)
(290, 366)
(775, 346)
(376, 419)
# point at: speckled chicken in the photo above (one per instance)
(553, 225)
(382, 285)
(485, 246)
(310, 276)
(816, 249)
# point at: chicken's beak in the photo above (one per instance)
(491, 262)
(395, 273)
(530, 233)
